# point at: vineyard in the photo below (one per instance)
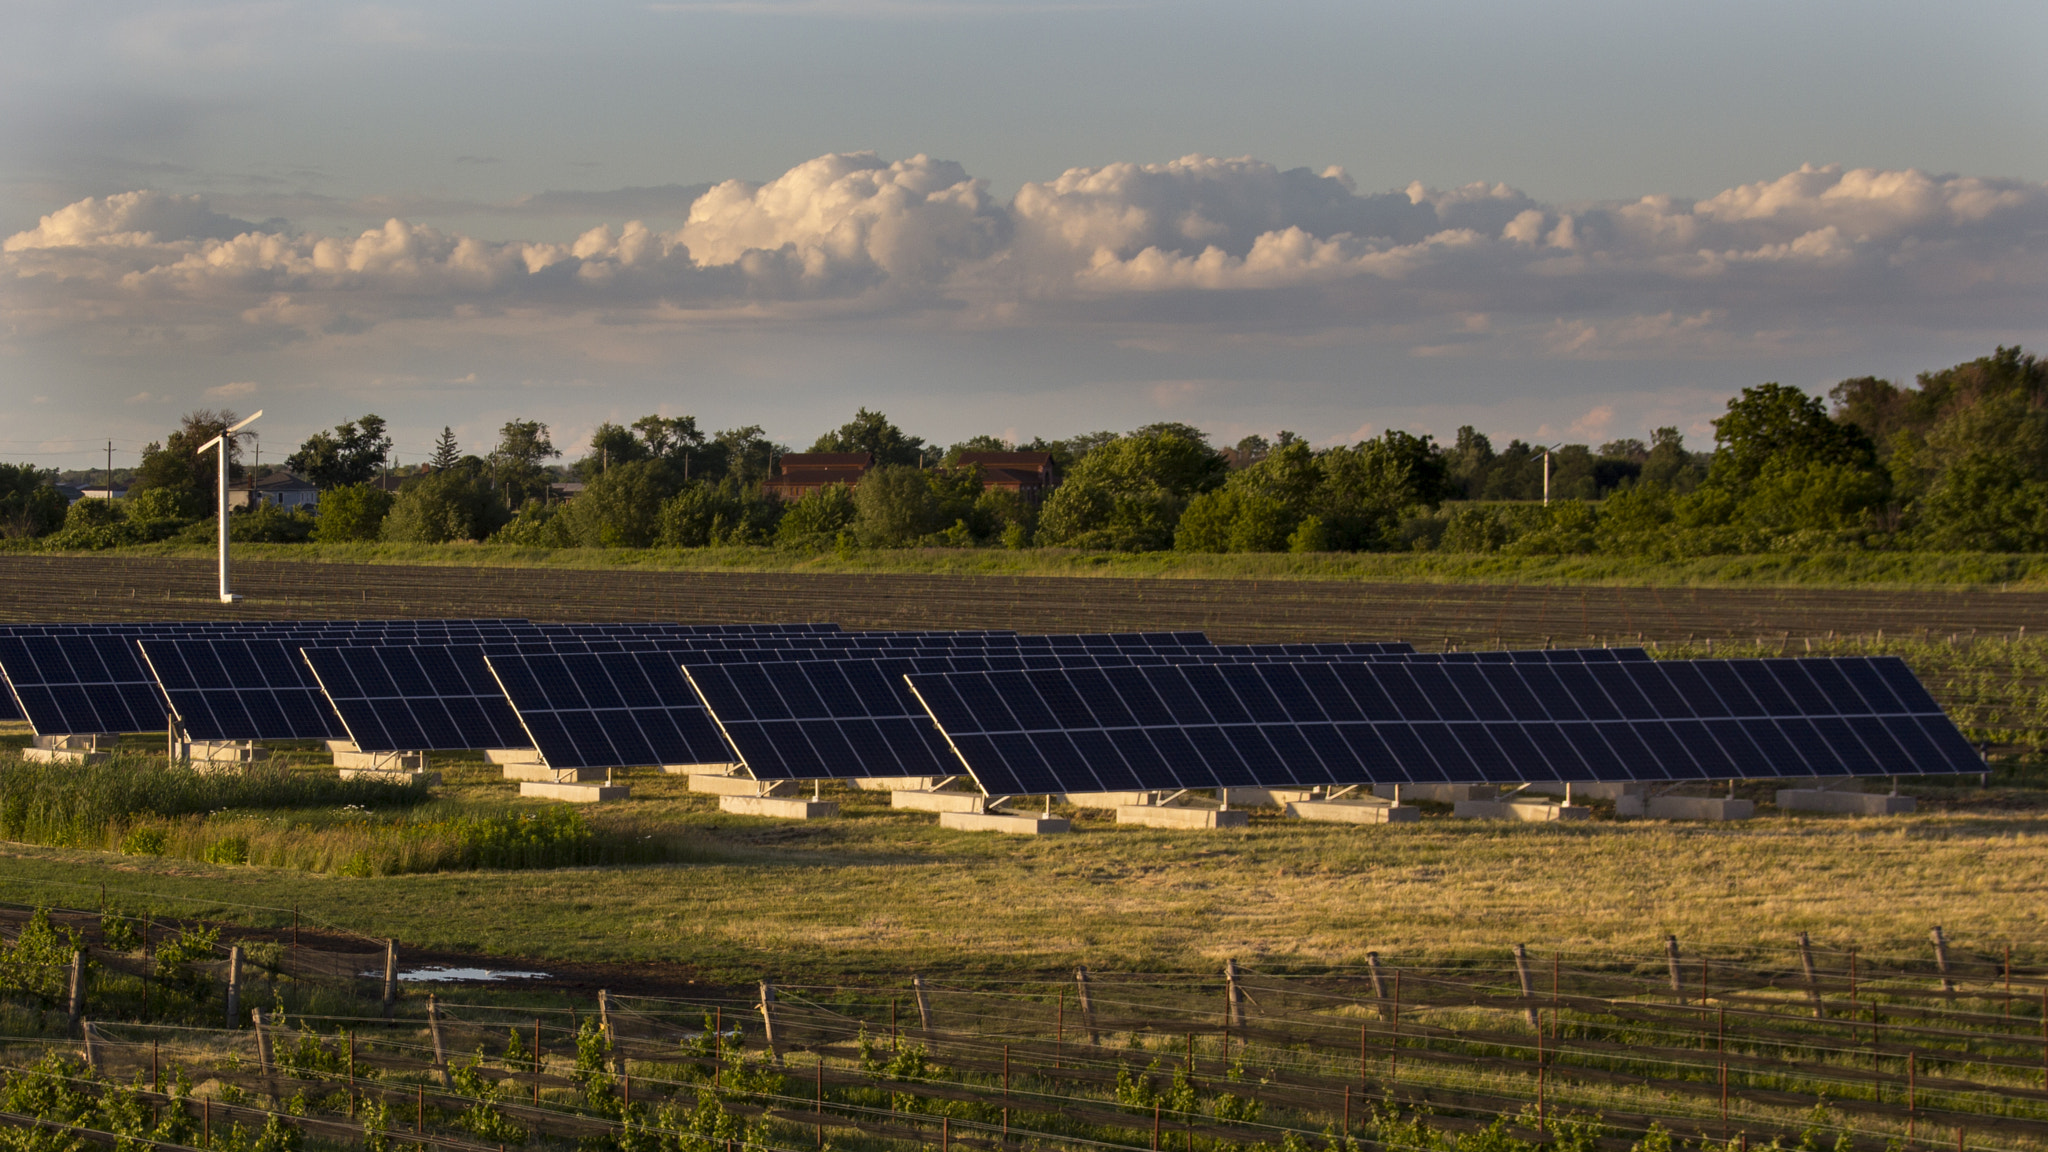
(1803, 1045)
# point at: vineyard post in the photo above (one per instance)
(768, 1021)
(1948, 986)
(1087, 1005)
(1233, 1000)
(1522, 974)
(924, 1005)
(1347, 1109)
(1671, 954)
(434, 1030)
(263, 1051)
(77, 998)
(1812, 979)
(234, 986)
(1394, 1040)
(390, 980)
(1912, 1090)
(820, 1101)
(1059, 1029)
(92, 1055)
(2008, 981)
(1379, 992)
(536, 1063)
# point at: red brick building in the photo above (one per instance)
(1029, 474)
(805, 472)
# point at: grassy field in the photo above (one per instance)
(1862, 569)
(882, 892)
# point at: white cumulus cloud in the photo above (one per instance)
(1822, 249)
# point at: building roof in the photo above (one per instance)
(809, 461)
(819, 477)
(1021, 476)
(280, 482)
(1030, 460)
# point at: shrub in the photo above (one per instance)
(144, 842)
(266, 524)
(351, 512)
(444, 506)
(817, 517)
(30, 504)
(538, 525)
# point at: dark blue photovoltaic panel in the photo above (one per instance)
(241, 689)
(81, 684)
(839, 719)
(609, 709)
(1281, 724)
(417, 699)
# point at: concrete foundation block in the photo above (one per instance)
(1172, 816)
(76, 741)
(1685, 807)
(1437, 793)
(63, 756)
(1010, 822)
(572, 792)
(222, 752)
(546, 775)
(779, 807)
(925, 801)
(1589, 789)
(898, 783)
(1847, 803)
(341, 745)
(738, 785)
(379, 761)
(512, 755)
(1522, 811)
(391, 776)
(1352, 811)
(1269, 797)
(1110, 800)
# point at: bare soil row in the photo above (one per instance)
(113, 587)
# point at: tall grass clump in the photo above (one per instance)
(84, 806)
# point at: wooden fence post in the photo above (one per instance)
(1087, 1006)
(1948, 986)
(92, 1054)
(77, 1000)
(1812, 979)
(235, 986)
(768, 1021)
(1671, 954)
(924, 1004)
(263, 1051)
(1522, 974)
(440, 1051)
(390, 978)
(1233, 996)
(611, 1037)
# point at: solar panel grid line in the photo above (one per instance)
(241, 689)
(81, 684)
(609, 710)
(1009, 725)
(416, 698)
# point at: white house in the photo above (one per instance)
(280, 488)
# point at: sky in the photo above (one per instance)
(1564, 222)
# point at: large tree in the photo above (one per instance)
(351, 454)
(516, 463)
(176, 470)
(872, 432)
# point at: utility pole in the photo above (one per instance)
(221, 491)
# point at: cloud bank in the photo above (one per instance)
(1214, 245)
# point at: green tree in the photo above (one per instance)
(621, 508)
(895, 506)
(446, 451)
(516, 463)
(176, 467)
(1128, 494)
(444, 506)
(817, 517)
(704, 514)
(352, 512)
(1669, 464)
(352, 454)
(1772, 424)
(30, 504)
(872, 432)
(670, 438)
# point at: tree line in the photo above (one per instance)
(1955, 461)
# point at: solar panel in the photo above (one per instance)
(1305, 724)
(81, 684)
(609, 709)
(417, 698)
(826, 719)
(241, 689)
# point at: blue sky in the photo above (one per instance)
(1021, 218)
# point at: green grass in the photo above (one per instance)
(884, 893)
(1862, 569)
